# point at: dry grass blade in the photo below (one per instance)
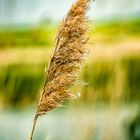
(66, 61)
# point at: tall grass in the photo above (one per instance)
(66, 61)
(21, 82)
(104, 77)
(38, 36)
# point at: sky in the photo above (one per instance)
(33, 11)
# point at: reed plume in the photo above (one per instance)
(66, 61)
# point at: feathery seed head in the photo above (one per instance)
(66, 61)
(67, 58)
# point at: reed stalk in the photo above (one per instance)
(66, 61)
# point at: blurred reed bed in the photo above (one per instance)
(111, 74)
(20, 83)
(109, 32)
(105, 79)
(112, 81)
(28, 36)
(43, 34)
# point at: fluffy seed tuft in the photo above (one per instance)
(66, 61)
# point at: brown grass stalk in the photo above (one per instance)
(66, 61)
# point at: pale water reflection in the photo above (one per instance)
(69, 124)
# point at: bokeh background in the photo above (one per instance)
(109, 105)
